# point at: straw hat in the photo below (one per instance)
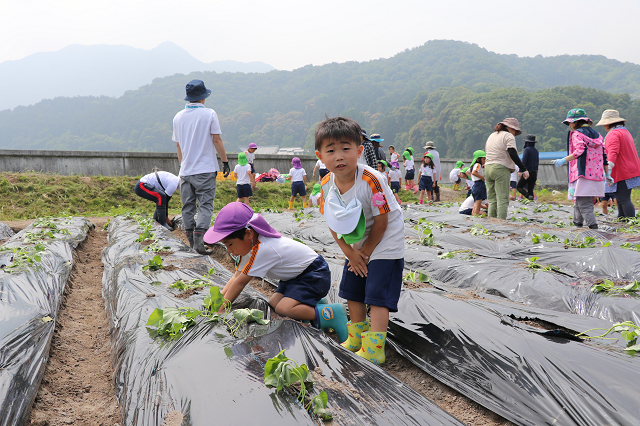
(610, 116)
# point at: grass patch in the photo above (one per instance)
(31, 195)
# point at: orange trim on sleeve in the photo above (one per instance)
(254, 252)
(376, 187)
(323, 182)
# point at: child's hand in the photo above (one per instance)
(358, 263)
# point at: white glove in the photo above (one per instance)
(609, 179)
(611, 166)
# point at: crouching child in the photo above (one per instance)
(366, 222)
(303, 274)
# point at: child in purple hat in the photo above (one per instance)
(251, 156)
(298, 178)
(303, 274)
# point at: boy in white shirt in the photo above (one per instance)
(322, 170)
(251, 156)
(367, 223)
(244, 177)
(395, 180)
(298, 178)
(513, 183)
(467, 206)
(158, 187)
(455, 175)
(304, 275)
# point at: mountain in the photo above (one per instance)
(100, 70)
(446, 91)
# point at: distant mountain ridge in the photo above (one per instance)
(446, 91)
(100, 70)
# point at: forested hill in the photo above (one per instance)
(445, 91)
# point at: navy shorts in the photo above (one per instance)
(425, 183)
(466, 211)
(298, 188)
(310, 286)
(244, 190)
(253, 169)
(410, 174)
(381, 286)
(395, 187)
(458, 181)
(513, 184)
(608, 196)
(479, 190)
(323, 173)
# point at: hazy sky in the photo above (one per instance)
(292, 33)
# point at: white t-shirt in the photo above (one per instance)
(436, 162)
(369, 182)
(192, 130)
(426, 171)
(320, 165)
(169, 181)
(395, 175)
(277, 258)
(453, 175)
(250, 156)
(469, 183)
(467, 204)
(394, 156)
(514, 175)
(478, 169)
(297, 174)
(408, 164)
(243, 174)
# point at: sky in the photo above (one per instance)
(289, 34)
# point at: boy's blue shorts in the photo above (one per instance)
(244, 190)
(381, 286)
(310, 286)
(467, 212)
(426, 183)
(395, 187)
(298, 188)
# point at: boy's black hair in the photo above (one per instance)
(239, 234)
(339, 129)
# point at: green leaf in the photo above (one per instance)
(214, 300)
(635, 348)
(155, 318)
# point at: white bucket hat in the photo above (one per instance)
(610, 116)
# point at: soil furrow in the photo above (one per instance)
(77, 387)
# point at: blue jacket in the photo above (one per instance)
(530, 156)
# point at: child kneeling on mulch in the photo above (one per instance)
(303, 274)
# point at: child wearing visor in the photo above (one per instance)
(366, 222)
(303, 274)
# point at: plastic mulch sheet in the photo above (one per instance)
(30, 297)
(209, 374)
(5, 231)
(482, 344)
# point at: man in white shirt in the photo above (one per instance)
(196, 132)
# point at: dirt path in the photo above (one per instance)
(458, 405)
(77, 387)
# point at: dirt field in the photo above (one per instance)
(77, 387)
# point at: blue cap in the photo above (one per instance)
(196, 91)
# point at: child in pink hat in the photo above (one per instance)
(251, 156)
(303, 274)
(298, 178)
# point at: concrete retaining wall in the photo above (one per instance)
(107, 163)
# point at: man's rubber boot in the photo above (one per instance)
(198, 242)
(304, 205)
(579, 225)
(290, 205)
(167, 227)
(155, 214)
(333, 316)
(354, 342)
(189, 234)
(593, 226)
(373, 347)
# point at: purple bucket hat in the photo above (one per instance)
(235, 216)
(297, 164)
(253, 145)
(395, 165)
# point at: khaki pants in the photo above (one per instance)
(497, 178)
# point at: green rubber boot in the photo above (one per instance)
(373, 347)
(333, 316)
(354, 342)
